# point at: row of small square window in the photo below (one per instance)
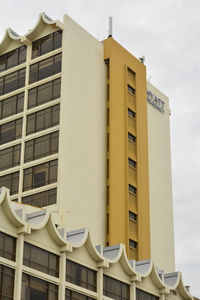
(39, 47)
(36, 122)
(36, 96)
(34, 177)
(38, 71)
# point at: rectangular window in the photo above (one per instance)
(10, 157)
(132, 189)
(6, 283)
(131, 137)
(40, 175)
(11, 106)
(132, 216)
(131, 162)
(41, 147)
(41, 199)
(108, 117)
(107, 194)
(45, 68)
(131, 89)
(107, 168)
(43, 119)
(133, 244)
(141, 295)
(115, 289)
(41, 260)
(7, 246)
(13, 81)
(71, 295)
(12, 58)
(131, 113)
(107, 224)
(10, 131)
(44, 93)
(81, 275)
(35, 288)
(47, 43)
(10, 181)
(108, 142)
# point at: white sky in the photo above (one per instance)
(168, 34)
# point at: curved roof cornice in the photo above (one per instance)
(9, 36)
(43, 20)
(175, 281)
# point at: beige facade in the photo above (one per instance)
(160, 180)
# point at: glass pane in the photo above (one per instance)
(57, 39)
(36, 49)
(56, 88)
(54, 142)
(1, 86)
(29, 151)
(21, 80)
(30, 124)
(27, 179)
(12, 59)
(53, 171)
(20, 102)
(7, 132)
(33, 73)
(10, 83)
(45, 68)
(32, 98)
(6, 158)
(14, 183)
(18, 133)
(22, 54)
(55, 115)
(40, 120)
(16, 155)
(9, 107)
(47, 118)
(46, 44)
(44, 93)
(57, 63)
(42, 146)
(3, 63)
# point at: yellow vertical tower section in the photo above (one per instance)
(127, 182)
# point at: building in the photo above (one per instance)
(77, 143)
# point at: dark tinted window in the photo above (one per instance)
(44, 93)
(141, 295)
(133, 243)
(10, 181)
(12, 81)
(41, 260)
(71, 295)
(131, 113)
(115, 289)
(45, 68)
(10, 131)
(43, 119)
(6, 283)
(81, 275)
(10, 157)
(132, 162)
(41, 199)
(11, 106)
(40, 175)
(47, 43)
(131, 137)
(131, 90)
(132, 189)
(132, 216)
(12, 58)
(35, 288)
(7, 246)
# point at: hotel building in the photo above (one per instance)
(81, 147)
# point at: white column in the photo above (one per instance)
(133, 290)
(100, 283)
(19, 262)
(62, 272)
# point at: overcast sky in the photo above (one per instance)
(168, 34)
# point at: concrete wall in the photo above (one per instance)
(81, 188)
(160, 184)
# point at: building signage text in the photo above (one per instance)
(156, 102)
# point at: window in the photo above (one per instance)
(133, 244)
(45, 68)
(107, 62)
(11, 106)
(131, 113)
(41, 260)
(81, 275)
(43, 119)
(115, 289)
(107, 168)
(108, 119)
(131, 162)
(12, 81)
(6, 283)
(141, 295)
(10, 157)
(131, 90)
(10, 181)
(47, 43)
(108, 142)
(132, 189)
(12, 58)
(107, 223)
(7, 246)
(132, 216)
(131, 137)
(10, 131)
(107, 193)
(35, 288)
(40, 175)
(41, 199)
(42, 146)
(71, 295)
(44, 93)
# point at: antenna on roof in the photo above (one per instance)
(110, 27)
